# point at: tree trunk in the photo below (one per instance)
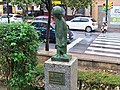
(23, 15)
(48, 27)
(26, 14)
(74, 12)
(8, 12)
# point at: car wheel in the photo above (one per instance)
(88, 29)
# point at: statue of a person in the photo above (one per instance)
(60, 35)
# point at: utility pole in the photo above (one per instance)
(106, 19)
(8, 12)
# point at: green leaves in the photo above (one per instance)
(77, 4)
(37, 2)
(18, 50)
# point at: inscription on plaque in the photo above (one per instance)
(56, 78)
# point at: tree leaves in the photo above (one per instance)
(77, 4)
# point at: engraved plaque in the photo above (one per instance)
(56, 78)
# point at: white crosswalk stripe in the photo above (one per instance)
(107, 40)
(73, 43)
(103, 42)
(105, 45)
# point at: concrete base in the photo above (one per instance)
(61, 75)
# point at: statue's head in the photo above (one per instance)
(58, 12)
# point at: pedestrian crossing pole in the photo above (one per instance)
(106, 10)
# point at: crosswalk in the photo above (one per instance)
(106, 45)
(73, 43)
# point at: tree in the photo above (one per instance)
(75, 5)
(24, 4)
(48, 4)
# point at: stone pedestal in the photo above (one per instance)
(61, 75)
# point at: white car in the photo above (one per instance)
(82, 23)
(13, 18)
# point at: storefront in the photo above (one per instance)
(115, 15)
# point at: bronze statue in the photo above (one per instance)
(60, 35)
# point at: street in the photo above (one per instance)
(80, 42)
(86, 40)
(105, 44)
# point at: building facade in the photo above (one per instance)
(1, 8)
(11, 8)
(113, 14)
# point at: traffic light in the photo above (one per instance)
(110, 5)
(104, 5)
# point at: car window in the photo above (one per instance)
(44, 19)
(93, 20)
(39, 24)
(35, 24)
(84, 20)
(18, 16)
(43, 25)
(37, 18)
(5, 16)
(76, 20)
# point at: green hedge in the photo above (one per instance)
(92, 77)
(99, 78)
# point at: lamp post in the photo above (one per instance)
(106, 11)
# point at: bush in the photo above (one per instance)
(99, 77)
(88, 80)
(18, 50)
(39, 77)
(98, 80)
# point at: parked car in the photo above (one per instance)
(45, 18)
(41, 26)
(82, 23)
(29, 20)
(13, 18)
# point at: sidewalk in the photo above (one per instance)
(114, 30)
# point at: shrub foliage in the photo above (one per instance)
(89, 80)
(18, 50)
